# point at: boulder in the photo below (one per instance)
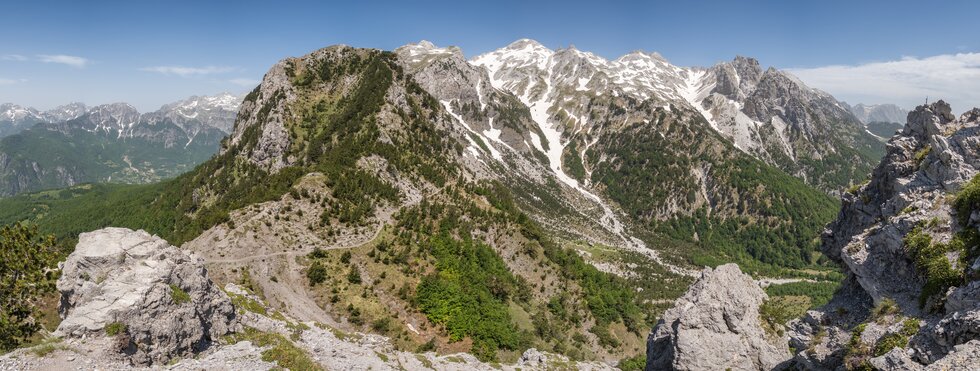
(154, 298)
(716, 326)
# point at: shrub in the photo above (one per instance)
(635, 363)
(317, 273)
(776, 311)
(967, 200)
(318, 253)
(354, 276)
(884, 308)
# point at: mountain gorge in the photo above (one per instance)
(524, 198)
(75, 144)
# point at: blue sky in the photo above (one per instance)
(152, 52)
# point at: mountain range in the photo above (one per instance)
(523, 198)
(878, 113)
(75, 144)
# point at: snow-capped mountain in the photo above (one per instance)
(585, 130)
(879, 113)
(178, 123)
(192, 115)
(109, 142)
(14, 118)
(113, 119)
(217, 111)
(65, 112)
(769, 114)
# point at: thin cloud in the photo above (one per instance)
(907, 81)
(14, 57)
(244, 82)
(183, 71)
(70, 60)
(10, 81)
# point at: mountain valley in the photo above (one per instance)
(526, 208)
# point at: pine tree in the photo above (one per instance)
(28, 271)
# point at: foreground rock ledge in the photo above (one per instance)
(716, 326)
(156, 300)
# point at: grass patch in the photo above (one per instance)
(47, 346)
(179, 295)
(931, 261)
(115, 328)
(282, 350)
(245, 303)
(425, 361)
(818, 292)
(921, 154)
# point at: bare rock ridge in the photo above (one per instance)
(716, 326)
(907, 242)
(159, 297)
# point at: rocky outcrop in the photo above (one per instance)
(154, 298)
(962, 357)
(716, 326)
(909, 187)
(918, 322)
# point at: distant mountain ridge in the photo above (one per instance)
(114, 142)
(878, 113)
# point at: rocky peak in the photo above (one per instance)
(736, 79)
(66, 112)
(928, 120)
(199, 112)
(425, 52)
(12, 112)
(113, 118)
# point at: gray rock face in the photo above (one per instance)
(716, 326)
(775, 117)
(162, 296)
(926, 164)
(962, 357)
(909, 186)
